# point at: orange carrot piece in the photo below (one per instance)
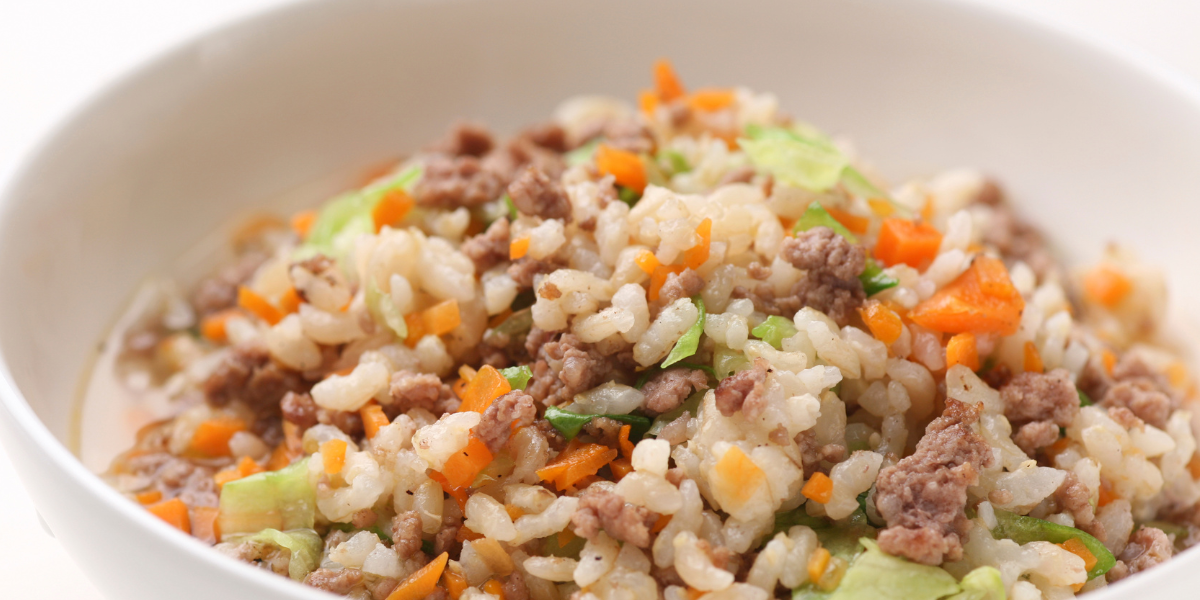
(648, 103)
(881, 207)
(818, 561)
(460, 387)
(854, 223)
(1109, 359)
(624, 443)
(747, 478)
(927, 209)
(373, 419)
(518, 248)
(647, 262)
(149, 497)
(212, 327)
(1193, 466)
(391, 209)
(438, 319)
(981, 300)
(711, 100)
(572, 465)
(455, 584)
(224, 476)
(174, 512)
(818, 488)
(698, 255)
(907, 242)
(247, 466)
(1033, 358)
(290, 301)
(961, 350)
(464, 466)
(883, 322)
(421, 583)
(514, 512)
(281, 457)
(1106, 286)
(1077, 547)
(661, 523)
(212, 436)
(487, 385)
(666, 82)
(499, 318)
(258, 306)
(620, 468)
(625, 167)
(204, 524)
(465, 534)
(303, 221)
(494, 588)
(659, 277)
(333, 456)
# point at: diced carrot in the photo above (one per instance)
(247, 466)
(1106, 286)
(204, 524)
(710, 100)
(458, 493)
(648, 102)
(421, 583)
(818, 488)
(659, 277)
(883, 322)
(464, 466)
(460, 387)
(881, 207)
(303, 221)
(565, 537)
(149, 497)
(1109, 359)
(212, 327)
(224, 476)
(1033, 359)
(620, 468)
(1106, 494)
(818, 561)
(850, 221)
(212, 436)
(571, 466)
(647, 262)
(623, 441)
(290, 301)
(1077, 547)
(981, 300)
(465, 534)
(441, 318)
(499, 318)
(1057, 448)
(927, 209)
(907, 242)
(174, 512)
(514, 512)
(494, 588)
(519, 247)
(625, 167)
(474, 227)
(454, 583)
(333, 456)
(281, 457)
(1194, 466)
(1177, 375)
(258, 306)
(738, 474)
(961, 350)
(698, 255)
(391, 209)
(487, 385)
(373, 419)
(661, 523)
(666, 82)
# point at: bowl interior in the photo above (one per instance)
(1094, 148)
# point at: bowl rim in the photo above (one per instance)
(13, 402)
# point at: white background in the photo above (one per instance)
(54, 53)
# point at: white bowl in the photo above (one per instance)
(1094, 144)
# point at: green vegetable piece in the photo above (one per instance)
(305, 546)
(860, 186)
(678, 163)
(571, 423)
(628, 195)
(875, 575)
(1022, 530)
(1084, 399)
(690, 340)
(512, 208)
(282, 500)
(844, 540)
(383, 309)
(341, 220)
(983, 583)
(808, 591)
(583, 154)
(812, 163)
(518, 377)
(774, 330)
(689, 406)
(874, 280)
(517, 323)
(726, 362)
(571, 550)
(799, 516)
(816, 216)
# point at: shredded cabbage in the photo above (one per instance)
(282, 500)
(774, 330)
(879, 576)
(816, 216)
(809, 162)
(983, 583)
(305, 546)
(347, 216)
(687, 343)
(518, 377)
(570, 423)
(383, 309)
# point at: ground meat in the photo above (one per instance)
(363, 518)
(299, 410)
(406, 533)
(837, 298)
(675, 432)
(922, 497)
(248, 374)
(419, 390)
(675, 476)
(668, 389)
(765, 301)
(681, 285)
(175, 477)
(997, 376)
(737, 175)
(606, 431)
(337, 581)
(514, 588)
(219, 292)
(381, 588)
(450, 182)
(549, 291)
(820, 249)
(549, 135)
(1041, 397)
(489, 248)
(566, 367)
(1032, 436)
(536, 339)
(259, 553)
(812, 453)
(1147, 547)
(1125, 417)
(758, 270)
(744, 390)
(553, 436)
(446, 539)
(629, 135)
(349, 422)
(525, 269)
(1074, 497)
(625, 522)
(533, 193)
(465, 139)
(1143, 398)
(1018, 240)
(666, 577)
(497, 423)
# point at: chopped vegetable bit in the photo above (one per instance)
(816, 216)
(281, 499)
(518, 377)
(676, 161)
(569, 424)
(212, 436)
(581, 155)
(981, 300)
(574, 464)
(814, 164)
(1033, 358)
(384, 309)
(174, 512)
(961, 350)
(774, 329)
(421, 583)
(709, 100)
(983, 583)
(439, 319)
(487, 385)
(818, 488)
(883, 322)
(519, 247)
(391, 209)
(647, 262)
(697, 255)
(875, 575)
(1084, 399)
(258, 306)
(875, 280)
(666, 82)
(304, 546)
(1106, 286)
(625, 167)
(690, 340)
(908, 242)
(1022, 530)
(373, 419)
(464, 466)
